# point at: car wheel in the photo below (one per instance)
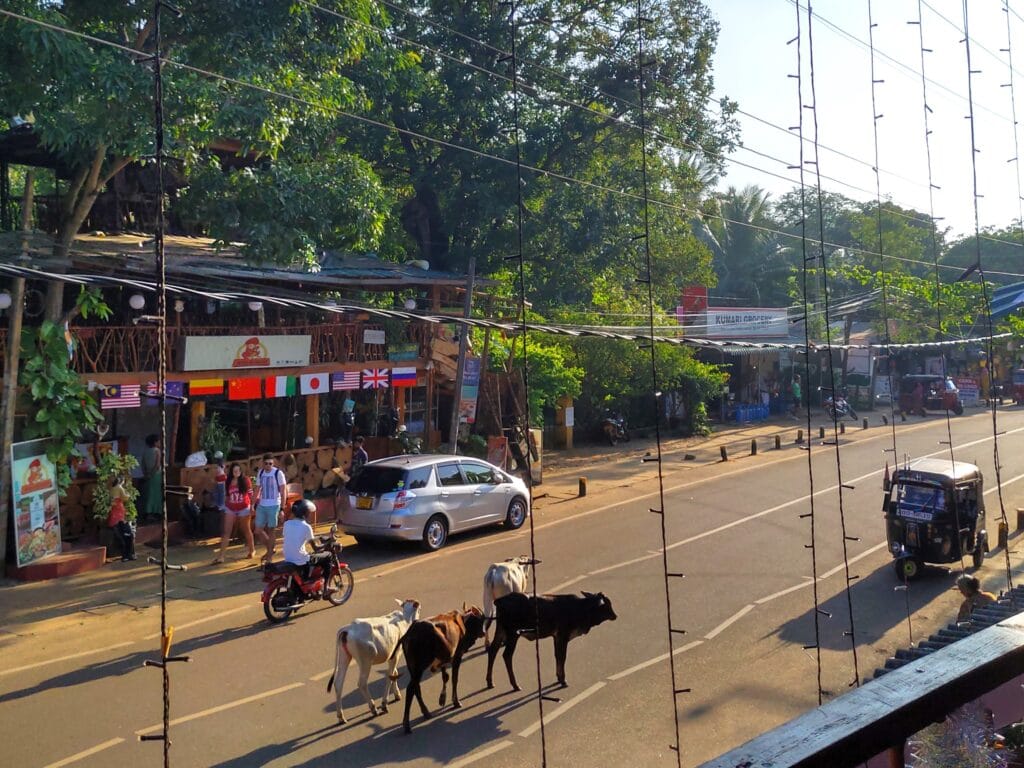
(958, 409)
(435, 533)
(516, 515)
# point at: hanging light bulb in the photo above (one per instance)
(136, 301)
(5, 300)
(255, 306)
(410, 304)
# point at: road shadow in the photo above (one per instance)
(131, 662)
(879, 605)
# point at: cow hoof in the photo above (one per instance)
(562, 684)
(456, 705)
(408, 730)
(342, 719)
(427, 715)
(516, 688)
(489, 685)
(441, 700)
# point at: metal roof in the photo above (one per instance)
(959, 471)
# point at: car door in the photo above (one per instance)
(488, 498)
(453, 495)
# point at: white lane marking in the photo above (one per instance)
(64, 658)
(322, 675)
(480, 754)
(655, 660)
(222, 707)
(86, 753)
(203, 620)
(728, 622)
(565, 707)
(569, 583)
(627, 562)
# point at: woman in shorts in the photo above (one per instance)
(237, 505)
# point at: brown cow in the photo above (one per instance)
(435, 644)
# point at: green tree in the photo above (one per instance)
(1000, 250)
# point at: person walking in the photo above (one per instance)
(152, 479)
(797, 395)
(237, 505)
(270, 497)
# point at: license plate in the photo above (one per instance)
(915, 514)
(364, 502)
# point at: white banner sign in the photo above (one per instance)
(214, 353)
(745, 322)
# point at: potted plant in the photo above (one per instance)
(217, 437)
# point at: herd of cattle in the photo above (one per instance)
(441, 641)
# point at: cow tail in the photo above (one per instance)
(398, 646)
(342, 639)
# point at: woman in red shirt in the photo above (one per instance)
(237, 505)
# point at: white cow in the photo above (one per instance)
(369, 642)
(512, 575)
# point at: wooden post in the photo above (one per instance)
(753, 446)
(865, 422)
(197, 414)
(778, 442)
(313, 418)
(460, 371)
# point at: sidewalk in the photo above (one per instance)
(33, 608)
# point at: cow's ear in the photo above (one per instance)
(399, 602)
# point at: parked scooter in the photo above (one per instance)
(614, 427)
(288, 590)
(837, 406)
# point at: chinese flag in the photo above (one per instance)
(245, 389)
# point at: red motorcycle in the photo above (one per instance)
(288, 589)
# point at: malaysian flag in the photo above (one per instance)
(344, 380)
(120, 396)
(375, 378)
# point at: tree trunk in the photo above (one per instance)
(11, 364)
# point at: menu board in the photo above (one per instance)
(36, 509)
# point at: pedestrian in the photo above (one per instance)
(359, 457)
(152, 479)
(117, 519)
(974, 597)
(270, 496)
(237, 505)
(796, 394)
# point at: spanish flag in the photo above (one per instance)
(198, 387)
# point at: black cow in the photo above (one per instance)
(435, 644)
(562, 617)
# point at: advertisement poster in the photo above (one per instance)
(36, 511)
(470, 390)
(209, 353)
(969, 389)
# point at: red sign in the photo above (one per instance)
(252, 354)
(694, 304)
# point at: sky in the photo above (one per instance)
(753, 64)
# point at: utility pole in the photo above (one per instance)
(460, 371)
(8, 406)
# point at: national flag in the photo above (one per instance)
(198, 387)
(120, 396)
(245, 389)
(344, 380)
(403, 377)
(314, 384)
(375, 378)
(280, 386)
(175, 391)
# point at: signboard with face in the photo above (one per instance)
(215, 353)
(36, 508)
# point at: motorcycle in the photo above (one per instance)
(614, 427)
(287, 590)
(837, 406)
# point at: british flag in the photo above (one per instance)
(375, 378)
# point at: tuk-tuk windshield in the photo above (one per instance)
(920, 501)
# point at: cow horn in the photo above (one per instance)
(586, 594)
(465, 608)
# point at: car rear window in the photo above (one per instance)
(377, 480)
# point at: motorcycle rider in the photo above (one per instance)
(299, 542)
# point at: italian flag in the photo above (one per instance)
(280, 386)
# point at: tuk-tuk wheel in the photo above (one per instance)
(958, 409)
(908, 568)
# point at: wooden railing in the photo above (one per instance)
(125, 349)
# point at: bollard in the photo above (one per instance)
(1004, 534)
(865, 423)
(583, 487)
(842, 427)
(725, 453)
(690, 457)
(1020, 518)
(778, 442)
(753, 446)
(885, 420)
(821, 432)
(799, 436)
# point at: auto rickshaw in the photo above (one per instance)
(936, 393)
(934, 513)
(1018, 386)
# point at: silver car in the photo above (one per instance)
(427, 497)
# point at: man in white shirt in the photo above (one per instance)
(299, 541)
(270, 496)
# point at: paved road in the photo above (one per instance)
(255, 695)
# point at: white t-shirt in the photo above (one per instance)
(296, 533)
(271, 482)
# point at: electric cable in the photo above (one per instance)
(811, 514)
(846, 538)
(990, 367)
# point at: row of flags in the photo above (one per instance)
(255, 388)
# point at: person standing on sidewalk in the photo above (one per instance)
(270, 496)
(152, 473)
(797, 395)
(237, 505)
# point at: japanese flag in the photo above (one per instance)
(314, 383)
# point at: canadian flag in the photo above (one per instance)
(314, 383)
